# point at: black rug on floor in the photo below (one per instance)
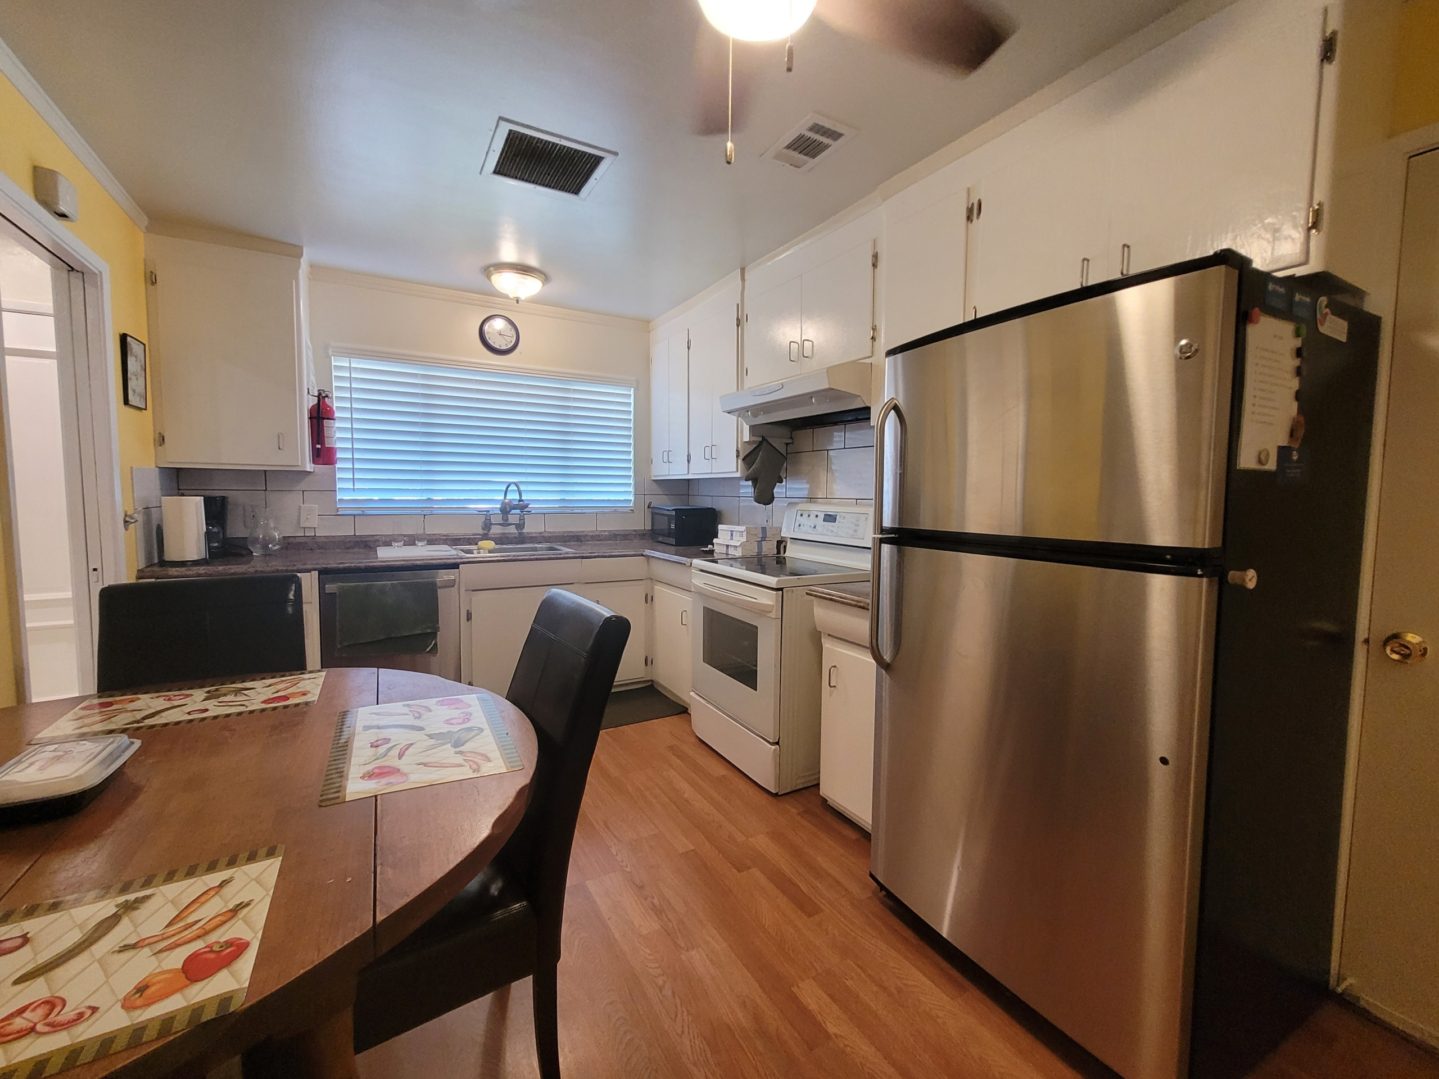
(636, 706)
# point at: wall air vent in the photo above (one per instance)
(814, 138)
(528, 155)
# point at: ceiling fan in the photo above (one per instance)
(958, 34)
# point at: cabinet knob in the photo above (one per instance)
(1405, 647)
(1243, 578)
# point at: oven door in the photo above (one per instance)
(736, 651)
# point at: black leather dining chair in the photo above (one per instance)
(505, 925)
(199, 628)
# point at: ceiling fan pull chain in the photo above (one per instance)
(729, 113)
(789, 55)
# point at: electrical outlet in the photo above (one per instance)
(309, 515)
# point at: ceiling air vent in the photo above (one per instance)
(528, 155)
(805, 145)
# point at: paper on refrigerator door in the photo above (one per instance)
(1271, 392)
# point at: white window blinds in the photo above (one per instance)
(418, 436)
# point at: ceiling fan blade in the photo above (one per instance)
(960, 34)
(711, 80)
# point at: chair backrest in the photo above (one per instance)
(562, 682)
(189, 630)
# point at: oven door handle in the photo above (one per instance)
(737, 599)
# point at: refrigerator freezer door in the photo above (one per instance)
(1040, 782)
(1101, 420)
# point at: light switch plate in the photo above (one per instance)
(309, 515)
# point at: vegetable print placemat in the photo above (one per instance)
(190, 705)
(89, 975)
(394, 747)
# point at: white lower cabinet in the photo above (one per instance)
(625, 598)
(846, 738)
(498, 621)
(672, 667)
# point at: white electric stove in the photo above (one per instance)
(756, 697)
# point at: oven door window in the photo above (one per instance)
(731, 647)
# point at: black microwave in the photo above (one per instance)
(684, 526)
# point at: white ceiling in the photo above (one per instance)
(357, 128)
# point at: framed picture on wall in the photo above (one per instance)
(132, 371)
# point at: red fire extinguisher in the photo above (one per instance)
(323, 450)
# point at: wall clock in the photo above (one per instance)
(499, 334)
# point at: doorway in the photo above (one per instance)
(1389, 957)
(53, 540)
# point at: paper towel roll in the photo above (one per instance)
(182, 517)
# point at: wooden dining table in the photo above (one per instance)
(355, 879)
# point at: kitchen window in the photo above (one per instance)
(417, 436)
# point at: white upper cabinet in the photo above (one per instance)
(813, 306)
(924, 263)
(694, 361)
(714, 369)
(227, 333)
(1218, 151)
(669, 405)
(772, 330)
(1040, 223)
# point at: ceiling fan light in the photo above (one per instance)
(516, 282)
(757, 20)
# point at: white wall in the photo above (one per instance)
(381, 316)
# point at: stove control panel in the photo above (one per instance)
(826, 524)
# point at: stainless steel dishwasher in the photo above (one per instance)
(383, 619)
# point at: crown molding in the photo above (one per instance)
(31, 91)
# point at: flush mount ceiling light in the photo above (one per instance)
(515, 281)
(757, 20)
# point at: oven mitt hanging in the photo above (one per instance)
(764, 467)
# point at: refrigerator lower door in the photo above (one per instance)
(1041, 749)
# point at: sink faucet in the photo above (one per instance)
(519, 506)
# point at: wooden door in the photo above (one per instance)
(1390, 950)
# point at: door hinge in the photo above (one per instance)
(873, 333)
(469, 616)
(969, 212)
(154, 279)
(874, 259)
(973, 210)
(159, 438)
(1316, 217)
(1329, 47)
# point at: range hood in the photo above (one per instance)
(841, 388)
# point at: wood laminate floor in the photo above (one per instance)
(715, 930)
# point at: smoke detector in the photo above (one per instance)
(807, 143)
(527, 155)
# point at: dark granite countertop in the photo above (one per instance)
(307, 553)
(851, 595)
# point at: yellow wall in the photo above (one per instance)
(1416, 88)
(26, 140)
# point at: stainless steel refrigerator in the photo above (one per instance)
(1114, 612)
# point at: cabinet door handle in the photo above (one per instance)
(974, 312)
(280, 440)
(1124, 253)
(829, 678)
(793, 348)
(684, 617)
(1083, 272)
(806, 348)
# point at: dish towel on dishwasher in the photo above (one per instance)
(401, 616)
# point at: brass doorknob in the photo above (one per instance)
(1405, 647)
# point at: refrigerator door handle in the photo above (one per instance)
(876, 601)
(890, 408)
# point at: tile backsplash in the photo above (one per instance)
(283, 493)
(832, 464)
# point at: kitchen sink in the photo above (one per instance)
(514, 548)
